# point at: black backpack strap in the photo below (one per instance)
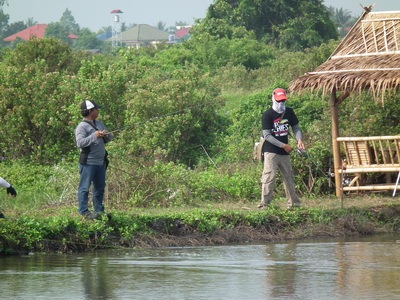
(86, 121)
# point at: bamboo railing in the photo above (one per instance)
(370, 155)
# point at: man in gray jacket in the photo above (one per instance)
(91, 136)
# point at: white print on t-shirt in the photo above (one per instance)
(281, 127)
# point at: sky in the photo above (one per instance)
(355, 8)
(96, 14)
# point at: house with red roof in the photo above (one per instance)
(182, 32)
(37, 30)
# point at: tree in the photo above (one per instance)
(67, 21)
(3, 20)
(105, 29)
(181, 106)
(52, 54)
(87, 40)
(57, 30)
(35, 93)
(161, 25)
(30, 22)
(10, 30)
(123, 27)
(342, 19)
(181, 24)
(63, 28)
(272, 20)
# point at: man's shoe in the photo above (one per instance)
(293, 206)
(94, 216)
(261, 206)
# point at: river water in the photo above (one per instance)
(362, 268)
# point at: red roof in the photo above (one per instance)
(180, 33)
(72, 36)
(116, 11)
(37, 30)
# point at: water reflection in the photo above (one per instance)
(366, 268)
(281, 273)
(96, 281)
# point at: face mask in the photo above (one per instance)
(279, 107)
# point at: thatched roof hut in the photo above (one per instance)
(367, 59)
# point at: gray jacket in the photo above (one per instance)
(88, 142)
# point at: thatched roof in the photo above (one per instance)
(368, 58)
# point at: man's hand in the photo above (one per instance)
(11, 191)
(300, 145)
(101, 133)
(287, 148)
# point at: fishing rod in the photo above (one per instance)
(302, 153)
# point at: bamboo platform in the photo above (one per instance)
(374, 154)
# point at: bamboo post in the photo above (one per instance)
(333, 105)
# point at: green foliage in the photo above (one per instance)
(244, 129)
(294, 25)
(197, 105)
(57, 31)
(281, 69)
(171, 115)
(34, 110)
(308, 29)
(86, 40)
(225, 184)
(107, 84)
(342, 19)
(361, 115)
(64, 233)
(67, 21)
(52, 54)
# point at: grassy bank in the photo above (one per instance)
(60, 229)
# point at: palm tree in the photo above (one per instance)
(161, 25)
(342, 19)
(105, 29)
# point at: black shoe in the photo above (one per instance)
(289, 207)
(90, 216)
(2, 216)
(93, 216)
(261, 206)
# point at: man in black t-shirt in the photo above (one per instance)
(276, 123)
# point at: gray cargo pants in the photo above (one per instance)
(272, 163)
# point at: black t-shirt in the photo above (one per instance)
(271, 120)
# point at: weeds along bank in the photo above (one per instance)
(66, 232)
(171, 205)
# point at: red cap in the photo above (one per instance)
(279, 94)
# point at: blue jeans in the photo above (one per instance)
(91, 174)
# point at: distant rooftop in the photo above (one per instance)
(37, 30)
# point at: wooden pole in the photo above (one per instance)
(334, 108)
